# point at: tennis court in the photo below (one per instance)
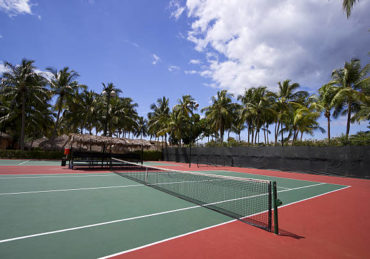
(84, 214)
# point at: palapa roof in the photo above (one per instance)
(87, 139)
(5, 136)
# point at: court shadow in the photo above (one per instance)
(286, 233)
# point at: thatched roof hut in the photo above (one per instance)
(115, 144)
(5, 140)
(92, 143)
(86, 139)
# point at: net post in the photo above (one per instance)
(276, 221)
(269, 207)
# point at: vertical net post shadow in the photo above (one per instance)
(276, 220)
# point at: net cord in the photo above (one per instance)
(194, 173)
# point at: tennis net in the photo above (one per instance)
(248, 200)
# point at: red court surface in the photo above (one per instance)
(31, 169)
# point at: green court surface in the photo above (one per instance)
(95, 215)
(26, 162)
(160, 164)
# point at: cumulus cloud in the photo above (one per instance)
(260, 42)
(173, 68)
(3, 69)
(15, 7)
(156, 59)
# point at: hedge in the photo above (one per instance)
(151, 155)
(39, 154)
(31, 154)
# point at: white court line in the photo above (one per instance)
(21, 163)
(76, 189)
(127, 219)
(56, 176)
(202, 229)
(272, 176)
(285, 188)
(101, 187)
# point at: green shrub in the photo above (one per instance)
(31, 154)
(360, 139)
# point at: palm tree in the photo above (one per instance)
(327, 93)
(89, 113)
(284, 98)
(256, 107)
(347, 6)
(123, 116)
(64, 85)
(245, 113)
(109, 91)
(187, 105)
(220, 114)
(238, 125)
(159, 117)
(142, 129)
(350, 80)
(22, 84)
(364, 112)
(306, 113)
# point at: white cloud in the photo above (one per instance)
(173, 68)
(132, 43)
(191, 72)
(48, 75)
(156, 59)
(180, 35)
(15, 7)
(195, 61)
(176, 9)
(3, 69)
(261, 42)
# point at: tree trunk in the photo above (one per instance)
(282, 137)
(222, 134)
(252, 138)
(248, 133)
(328, 117)
(23, 120)
(349, 118)
(57, 121)
(277, 126)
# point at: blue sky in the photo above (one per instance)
(151, 49)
